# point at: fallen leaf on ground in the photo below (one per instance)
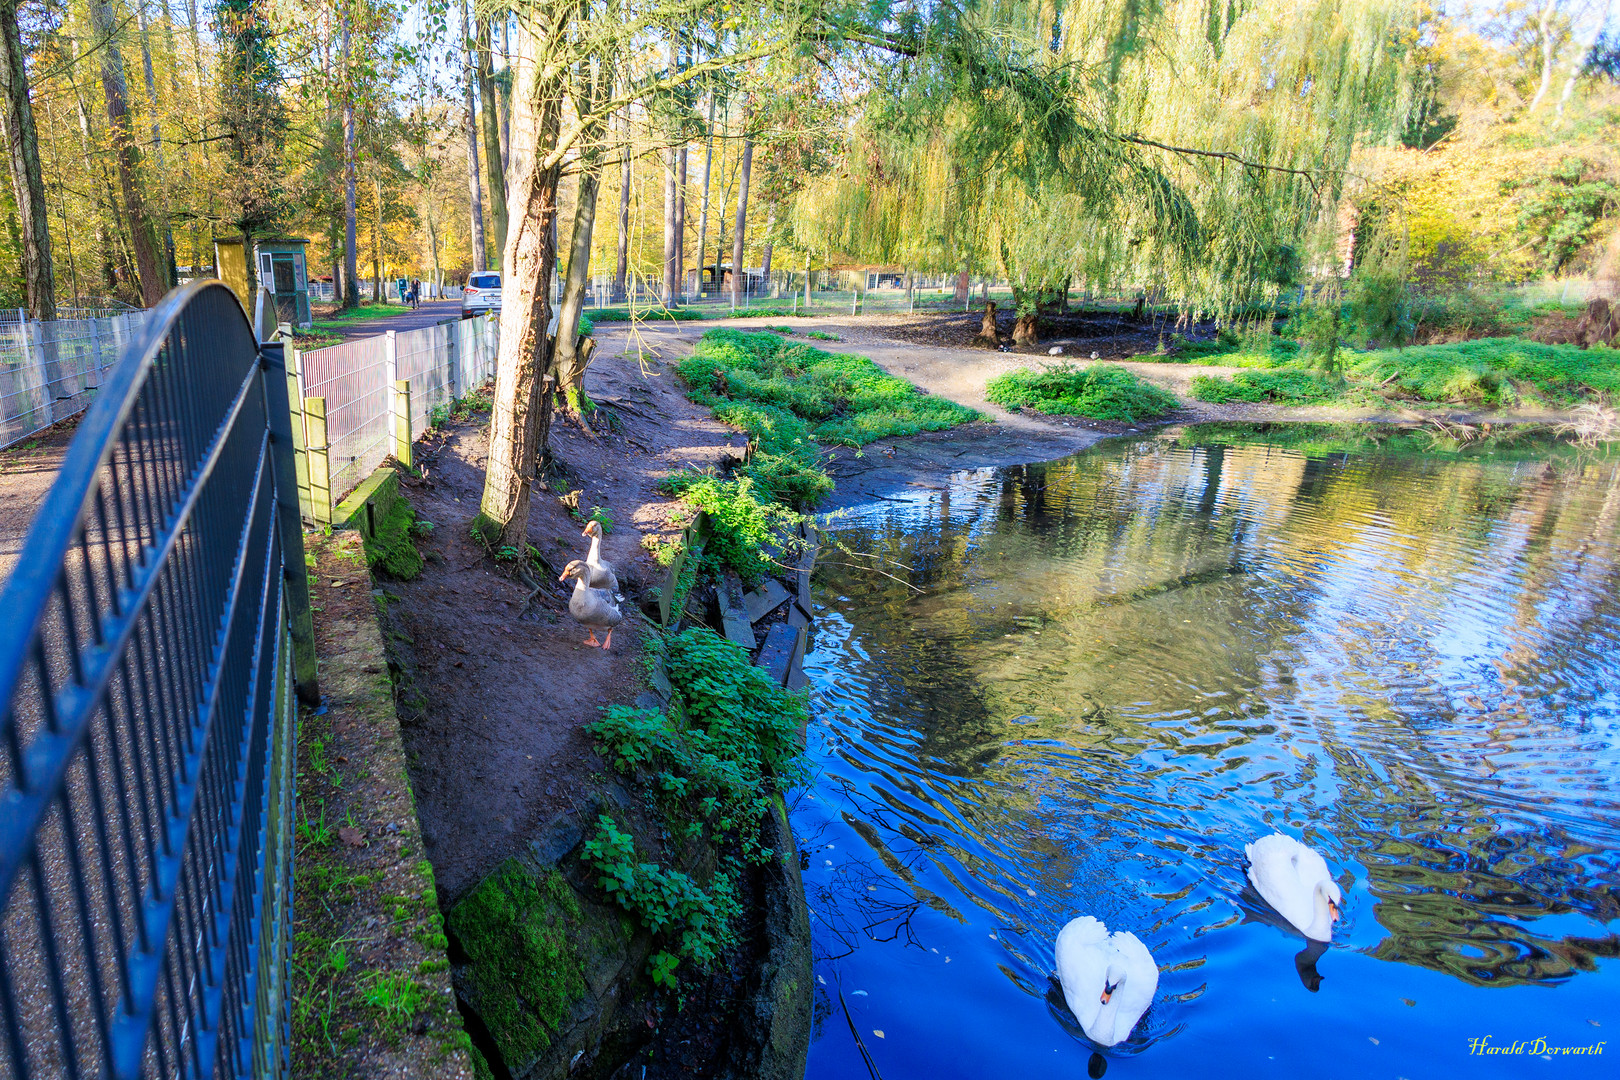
(352, 837)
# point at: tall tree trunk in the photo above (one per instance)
(738, 274)
(474, 184)
(680, 228)
(492, 139)
(27, 179)
(571, 358)
(376, 241)
(193, 234)
(765, 255)
(154, 283)
(670, 161)
(506, 101)
(703, 214)
(102, 191)
(622, 270)
(351, 241)
(161, 211)
(1544, 28)
(523, 371)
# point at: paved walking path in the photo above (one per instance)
(429, 313)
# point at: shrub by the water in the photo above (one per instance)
(735, 749)
(1283, 387)
(1495, 371)
(742, 527)
(1101, 391)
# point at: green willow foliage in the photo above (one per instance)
(1184, 146)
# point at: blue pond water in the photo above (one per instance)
(1080, 687)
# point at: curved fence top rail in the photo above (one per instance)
(146, 677)
(63, 510)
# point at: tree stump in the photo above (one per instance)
(1024, 332)
(987, 326)
(1599, 325)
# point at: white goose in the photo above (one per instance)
(1108, 979)
(1294, 879)
(602, 576)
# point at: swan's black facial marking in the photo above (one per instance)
(1108, 991)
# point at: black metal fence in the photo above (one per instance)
(147, 672)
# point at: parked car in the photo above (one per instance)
(482, 294)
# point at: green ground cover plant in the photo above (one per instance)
(713, 764)
(624, 314)
(790, 397)
(743, 527)
(1495, 371)
(838, 398)
(1283, 387)
(1100, 391)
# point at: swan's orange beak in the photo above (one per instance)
(1333, 909)
(562, 576)
(1106, 994)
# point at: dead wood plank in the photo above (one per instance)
(765, 599)
(796, 679)
(806, 563)
(733, 613)
(776, 655)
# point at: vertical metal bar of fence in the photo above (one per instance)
(146, 739)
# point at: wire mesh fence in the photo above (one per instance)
(356, 380)
(50, 370)
(146, 754)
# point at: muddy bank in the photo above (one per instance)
(496, 689)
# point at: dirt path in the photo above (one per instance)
(493, 715)
(26, 473)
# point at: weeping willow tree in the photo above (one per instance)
(1192, 147)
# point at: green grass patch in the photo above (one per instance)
(1100, 391)
(1283, 387)
(743, 527)
(822, 335)
(1495, 371)
(833, 397)
(365, 312)
(625, 314)
(790, 397)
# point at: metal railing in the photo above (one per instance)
(154, 634)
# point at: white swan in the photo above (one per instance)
(1294, 879)
(1108, 979)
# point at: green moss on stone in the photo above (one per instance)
(389, 547)
(519, 932)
